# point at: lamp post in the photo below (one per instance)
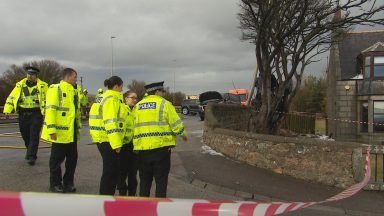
(112, 37)
(174, 84)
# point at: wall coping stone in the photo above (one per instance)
(283, 139)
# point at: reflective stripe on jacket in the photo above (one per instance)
(29, 97)
(156, 124)
(61, 114)
(128, 125)
(106, 119)
(14, 99)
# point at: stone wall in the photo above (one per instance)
(229, 116)
(332, 163)
(333, 74)
(346, 110)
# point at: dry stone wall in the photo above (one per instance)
(333, 163)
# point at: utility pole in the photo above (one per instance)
(249, 99)
(174, 84)
(112, 37)
(174, 87)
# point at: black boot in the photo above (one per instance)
(31, 161)
(122, 192)
(69, 189)
(57, 189)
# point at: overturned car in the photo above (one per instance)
(208, 97)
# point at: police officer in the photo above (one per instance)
(128, 160)
(28, 99)
(61, 127)
(84, 99)
(156, 125)
(84, 103)
(106, 124)
(99, 93)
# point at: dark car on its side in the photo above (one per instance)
(189, 106)
(208, 97)
(231, 98)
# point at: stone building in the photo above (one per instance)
(355, 93)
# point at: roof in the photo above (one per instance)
(353, 45)
(379, 46)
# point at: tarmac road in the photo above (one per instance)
(193, 175)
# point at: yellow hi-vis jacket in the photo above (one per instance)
(128, 125)
(107, 118)
(25, 96)
(83, 100)
(156, 124)
(60, 113)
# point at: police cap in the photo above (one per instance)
(154, 86)
(31, 70)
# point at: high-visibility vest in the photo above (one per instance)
(156, 124)
(107, 118)
(26, 97)
(60, 114)
(83, 99)
(128, 125)
(29, 97)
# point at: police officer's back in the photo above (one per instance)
(156, 125)
(106, 125)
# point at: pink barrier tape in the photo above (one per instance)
(36, 204)
(10, 204)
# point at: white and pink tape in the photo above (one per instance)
(37, 204)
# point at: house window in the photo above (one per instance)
(367, 67)
(364, 116)
(378, 116)
(378, 66)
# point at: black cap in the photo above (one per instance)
(154, 86)
(31, 70)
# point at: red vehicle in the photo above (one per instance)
(243, 94)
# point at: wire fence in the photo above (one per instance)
(304, 124)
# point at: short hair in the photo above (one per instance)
(128, 93)
(152, 92)
(67, 72)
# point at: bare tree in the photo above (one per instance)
(138, 87)
(177, 96)
(50, 72)
(288, 35)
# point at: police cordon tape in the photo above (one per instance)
(31, 204)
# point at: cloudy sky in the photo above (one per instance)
(196, 43)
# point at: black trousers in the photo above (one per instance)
(155, 163)
(30, 126)
(110, 174)
(59, 153)
(128, 161)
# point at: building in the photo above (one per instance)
(191, 97)
(355, 93)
